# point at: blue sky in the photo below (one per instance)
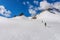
(16, 6)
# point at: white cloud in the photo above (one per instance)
(57, 5)
(32, 12)
(44, 5)
(36, 2)
(36, 8)
(28, 2)
(7, 13)
(24, 3)
(4, 11)
(31, 6)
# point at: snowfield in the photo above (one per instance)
(23, 28)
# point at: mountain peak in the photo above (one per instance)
(48, 16)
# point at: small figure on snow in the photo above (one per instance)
(45, 24)
(42, 21)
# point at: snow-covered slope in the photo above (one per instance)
(53, 22)
(47, 16)
(22, 28)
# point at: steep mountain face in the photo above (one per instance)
(22, 28)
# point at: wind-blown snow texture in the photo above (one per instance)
(23, 28)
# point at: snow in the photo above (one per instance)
(23, 28)
(47, 16)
